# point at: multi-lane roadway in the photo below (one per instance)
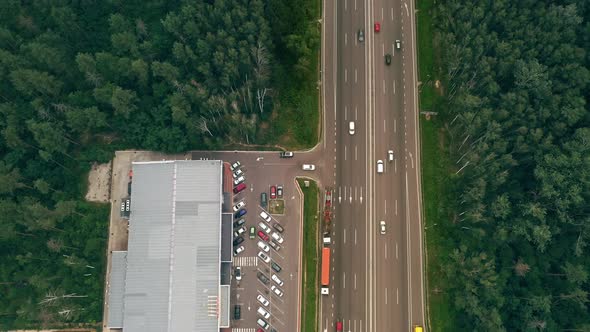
(377, 279)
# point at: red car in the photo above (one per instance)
(273, 192)
(377, 27)
(263, 235)
(338, 326)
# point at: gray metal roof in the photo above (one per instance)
(173, 259)
(117, 289)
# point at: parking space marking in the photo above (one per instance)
(243, 329)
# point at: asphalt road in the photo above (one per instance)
(377, 279)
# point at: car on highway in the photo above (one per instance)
(398, 44)
(264, 227)
(252, 232)
(277, 237)
(235, 166)
(286, 154)
(265, 314)
(262, 278)
(238, 250)
(238, 273)
(338, 326)
(351, 127)
(263, 200)
(418, 328)
(263, 257)
(239, 188)
(239, 180)
(274, 245)
(279, 191)
(239, 231)
(308, 167)
(390, 155)
(240, 213)
(278, 227)
(379, 166)
(377, 26)
(382, 227)
(276, 267)
(237, 173)
(238, 240)
(276, 279)
(238, 206)
(273, 192)
(262, 323)
(388, 59)
(262, 300)
(265, 216)
(239, 223)
(263, 246)
(361, 35)
(262, 235)
(276, 290)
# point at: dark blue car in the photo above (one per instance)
(240, 213)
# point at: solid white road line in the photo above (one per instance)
(392, 13)
(382, 10)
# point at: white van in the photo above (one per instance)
(351, 127)
(379, 166)
(265, 314)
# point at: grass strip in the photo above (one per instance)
(310, 287)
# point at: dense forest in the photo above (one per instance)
(82, 78)
(516, 77)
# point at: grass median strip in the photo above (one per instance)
(310, 283)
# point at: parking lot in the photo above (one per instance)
(267, 289)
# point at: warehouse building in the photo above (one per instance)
(174, 275)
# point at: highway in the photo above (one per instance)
(377, 280)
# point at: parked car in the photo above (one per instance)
(238, 273)
(263, 236)
(276, 290)
(237, 312)
(238, 206)
(237, 173)
(265, 216)
(276, 279)
(276, 267)
(277, 237)
(238, 240)
(262, 278)
(262, 323)
(308, 167)
(262, 300)
(286, 154)
(274, 245)
(239, 188)
(280, 191)
(263, 257)
(235, 166)
(238, 250)
(273, 192)
(263, 313)
(263, 200)
(239, 180)
(263, 246)
(264, 227)
(278, 227)
(239, 231)
(239, 223)
(240, 213)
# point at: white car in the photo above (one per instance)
(263, 256)
(262, 300)
(265, 216)
(398, 44)
(379, 166)
(277, 280)
(235, 166)
(239, 206)
(264, 227)
(308, 167)
(238, 273)
(390, 155)
(239, 231)
(277, 237)
(262, 323)
(382, 227)
(237, 173)
(265, 314)
(239, 180)
(276, 290)
(263, 246)
(238, 250)
(351, 127)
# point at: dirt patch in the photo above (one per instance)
(277, 206)
(439, 88)
(99, 183)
